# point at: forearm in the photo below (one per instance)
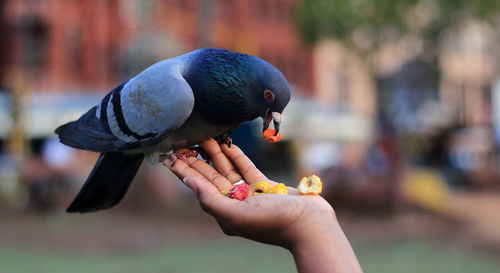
(325, 248)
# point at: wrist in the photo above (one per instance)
(323, 247)
(312, 228)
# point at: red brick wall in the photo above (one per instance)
(78, 44)
(77, 47)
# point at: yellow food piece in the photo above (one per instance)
(279, 189)
(261, 187)
(223, 192)
(310, 185)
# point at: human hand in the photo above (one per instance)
(277, 219)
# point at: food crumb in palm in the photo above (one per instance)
(239, 192)
(261, 187)
(310, 185)
(279, 189)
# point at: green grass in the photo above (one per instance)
(242, 256)
(422, 256)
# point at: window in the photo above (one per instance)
(342, 85)
(34, 34)
(226, 9)
(262, 9)
(281, 10)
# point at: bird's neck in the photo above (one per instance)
(223, 85)
(224, 110)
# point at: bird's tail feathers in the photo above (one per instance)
(107, 183)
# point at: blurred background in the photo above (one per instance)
(396, 105)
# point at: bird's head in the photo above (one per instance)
(272, 95)
(231, 88)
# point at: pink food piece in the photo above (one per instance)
(239, 192)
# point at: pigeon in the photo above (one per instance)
(173, 104)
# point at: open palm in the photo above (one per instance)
(268, 218)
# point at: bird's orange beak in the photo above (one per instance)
(271, 135)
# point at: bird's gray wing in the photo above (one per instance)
(140, 112)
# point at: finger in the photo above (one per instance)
(182, 170)
(293, 191)
(209, 197)
(210, 174)
(220, 160)
(245, 166)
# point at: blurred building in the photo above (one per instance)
(263, 28)
(343, 79)
(89, 44)
(470, 65)
(470, 68)
(79, 46)
(341, 126)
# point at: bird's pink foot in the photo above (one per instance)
(169, 159)
(185, 154)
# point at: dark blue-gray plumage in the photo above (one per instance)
(173, 104)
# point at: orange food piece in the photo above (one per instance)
(261, 187)
(311, 185)
(268, 135)
(279, 189)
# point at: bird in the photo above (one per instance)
(173, 104)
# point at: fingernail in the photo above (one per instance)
(186, 181)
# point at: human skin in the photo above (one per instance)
(306, 225)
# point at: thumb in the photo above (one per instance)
(209, 197)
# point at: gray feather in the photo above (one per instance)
(88, 133)
(156, 101)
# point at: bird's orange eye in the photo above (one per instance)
(269, 96)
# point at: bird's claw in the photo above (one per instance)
(203, 154)
(226, 140)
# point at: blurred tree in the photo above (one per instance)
(370, 27)
(366, 25)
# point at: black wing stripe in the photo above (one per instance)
(104, 106)
(119, 116)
